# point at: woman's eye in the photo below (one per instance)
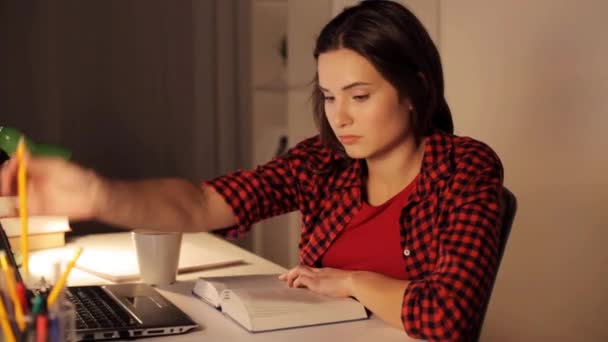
(328, 98)
(360, 98)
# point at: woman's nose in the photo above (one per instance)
(342, 118)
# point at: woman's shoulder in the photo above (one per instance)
(466, 154)
(475, 158)
(312, 153)
(468, 150)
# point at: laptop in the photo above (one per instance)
(106, 312)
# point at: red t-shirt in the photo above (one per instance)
(371, 241)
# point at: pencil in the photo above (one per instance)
(9, 335)
(22, 193)
(62, 280)
(9, 278)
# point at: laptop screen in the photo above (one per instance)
(6, 246)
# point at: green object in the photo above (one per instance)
(9, 139)
(38, 305)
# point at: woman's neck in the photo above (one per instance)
(390, 172)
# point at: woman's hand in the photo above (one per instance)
(54, 187)
(326, 281)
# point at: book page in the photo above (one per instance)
(210, 289)
(263, 281)
(264, 309)
(266, 302)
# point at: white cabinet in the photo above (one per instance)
(280, 106)
(268, 89)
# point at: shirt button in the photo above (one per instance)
(406, 252)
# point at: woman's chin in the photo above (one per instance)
(355, 153)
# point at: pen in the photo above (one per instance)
(42, 322)
(37, 308)
(54, 331)
(22, 296)
(9, 253)
(38, 304)
(22, 193)
(63, 279)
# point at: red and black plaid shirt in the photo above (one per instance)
(449, 228)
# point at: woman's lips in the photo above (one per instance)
(349, 139)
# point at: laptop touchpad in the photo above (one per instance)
(147, 305)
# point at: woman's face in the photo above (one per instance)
(362, 108)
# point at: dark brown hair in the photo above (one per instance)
(396, 43)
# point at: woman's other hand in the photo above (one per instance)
(326, 281)
(55, 187)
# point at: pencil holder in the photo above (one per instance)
(57, 324)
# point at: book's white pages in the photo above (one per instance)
(263, 303)
(119, 264)
(209, 289)
(36, 225)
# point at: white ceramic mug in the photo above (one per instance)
(157, 256)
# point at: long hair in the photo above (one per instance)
(396, 43)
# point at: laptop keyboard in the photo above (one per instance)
(95, 309)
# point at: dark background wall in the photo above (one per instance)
(134, 88)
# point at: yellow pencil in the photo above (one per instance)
(9, 278)
(22, 193)
(62, 280)
(9, 336)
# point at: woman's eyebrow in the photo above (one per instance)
(349, 86)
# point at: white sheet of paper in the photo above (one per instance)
(112, 257)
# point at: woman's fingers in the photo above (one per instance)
(302, 281)
(290, 276)
(8, 177)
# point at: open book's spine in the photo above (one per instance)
(207, 292)
(234, 307)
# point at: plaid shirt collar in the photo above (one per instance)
(436, 165)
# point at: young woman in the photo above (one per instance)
(396, 210)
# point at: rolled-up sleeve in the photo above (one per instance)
(255, 195)
(446, 305)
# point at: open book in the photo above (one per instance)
(263, 302)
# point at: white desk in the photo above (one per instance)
(216, 327)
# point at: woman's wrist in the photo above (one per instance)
(100, 194)
(355, 279)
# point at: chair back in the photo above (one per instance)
(508, 207)
(507, 213)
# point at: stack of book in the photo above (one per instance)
(43, 231)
